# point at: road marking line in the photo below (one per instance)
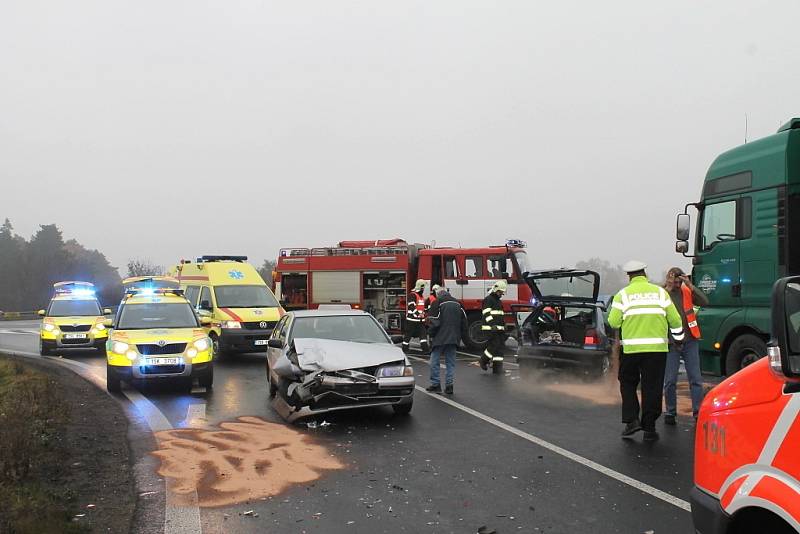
(625, 479)
(196, 415)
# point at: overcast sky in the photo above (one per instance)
(169, 129)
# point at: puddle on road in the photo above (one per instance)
(244, 460)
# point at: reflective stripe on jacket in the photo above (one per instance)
(416, 307)
(646, 314)
(688, 310)
(493, 314)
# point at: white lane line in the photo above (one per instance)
(20, 332)
(196, 415)
(625, 479)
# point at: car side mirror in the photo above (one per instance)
(682, 227)
(682, 247)
(108, 323)
(784, 347)
(206, 321)
(275, 344)
(397, 339)
(107, 311)
(282, 303)
(41, 313)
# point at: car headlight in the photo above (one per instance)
(119, 347)
(388, 371)
(191, 352)
(231, 324)
(202, 344)
(49, 327)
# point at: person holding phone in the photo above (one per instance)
(684, 295)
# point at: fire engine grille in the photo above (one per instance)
(151, 349)
(78, 328)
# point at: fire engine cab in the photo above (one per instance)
(377, 276)
(747, 446)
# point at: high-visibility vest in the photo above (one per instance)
(416, 307)
(688, 309)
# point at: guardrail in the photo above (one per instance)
(18, 316)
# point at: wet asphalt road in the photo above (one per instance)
(442, 469)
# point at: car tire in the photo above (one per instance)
(474, 339)
(218, 353)
(206, 378)
(100, 347)
(113, 383)
(743, 351)
(44, 348)
(601, 369)
(402, 409)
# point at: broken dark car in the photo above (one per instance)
(564, 326)
(327, 360)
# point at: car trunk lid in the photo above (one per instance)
(564, 286)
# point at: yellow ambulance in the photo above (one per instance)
(73, 319)
(157, 335)
(230, 291)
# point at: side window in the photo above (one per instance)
(191, 294)
(276, 332)
(719, 224)
(450, 270)
(473, 266)
(205, 299)
(496, 266)
(284, 331)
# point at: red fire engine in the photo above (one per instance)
(377, 276)
(747, 465)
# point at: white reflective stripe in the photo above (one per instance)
(488, 318)
(644, 311)
(487, 353)
(678, 330)
(644, 341)
(678, 337)
(487, 310)
(497, 359)
(692, 324)
(498, 312)
(618, 306)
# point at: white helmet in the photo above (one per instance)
(420, 285)
(500, 285)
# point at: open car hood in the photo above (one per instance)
(331, 355)
(564, 285)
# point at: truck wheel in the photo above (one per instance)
(206, 378)
(475, 339)
(113, 383)
(743, 351)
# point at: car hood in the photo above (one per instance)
(76, 320)
(158, 334)
(331, 355)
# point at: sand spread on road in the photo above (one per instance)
(244, 460)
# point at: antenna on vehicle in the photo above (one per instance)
(745, 128)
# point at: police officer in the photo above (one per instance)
(494, 325)
(415, 317)
(646, 315)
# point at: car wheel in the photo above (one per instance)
(44, 348)
(113, 383)
(272, 389)
(216, 347)
(206, 378)
(402, 409)
(475, 338)
(745, 349)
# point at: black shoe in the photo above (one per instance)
(434, 388)
(650, 435)
(630, 429)
(484, 362)
(669, 419)
(448, 389)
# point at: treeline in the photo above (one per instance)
(29, 268)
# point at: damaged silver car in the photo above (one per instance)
(325, 360)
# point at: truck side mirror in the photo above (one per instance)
(683, 227)
(784, 347)
(682, 247)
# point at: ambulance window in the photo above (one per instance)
(450, 267)
(191, 294)
(205, 299)
(496, 267)
(474, 266)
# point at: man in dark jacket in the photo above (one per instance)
(448, 324)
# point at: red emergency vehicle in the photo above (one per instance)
(377, 276)
(747, 446)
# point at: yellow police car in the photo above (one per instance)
(73, 319)
(157, 335)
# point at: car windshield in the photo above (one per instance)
(244, 297)
(157, 315)
(522, 261)
(74, 308)
(359, 328)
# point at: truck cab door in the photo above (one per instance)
(718, 253)
(451, 276)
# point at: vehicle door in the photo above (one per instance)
(473, 281)
(451, 276)
(718, 251)
(279, 332)
(206, 303)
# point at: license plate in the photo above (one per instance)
(260, 342)
(74, 336)
(162, 361)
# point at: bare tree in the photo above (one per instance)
(144, 267)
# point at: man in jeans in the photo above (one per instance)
(684, 295)
(448, 324)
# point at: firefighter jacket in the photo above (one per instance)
(416, 307)
(493, 314)
(645, 313)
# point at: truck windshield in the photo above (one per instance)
(74, 308)
(358, 328)
(244, 297)
(157, 315)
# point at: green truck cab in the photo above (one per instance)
(747, 236)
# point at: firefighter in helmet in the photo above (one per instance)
(415, 317)
(494, 325)
(431, 300)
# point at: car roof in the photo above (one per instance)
(149, 299)
(327, 313)
(67, 296)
